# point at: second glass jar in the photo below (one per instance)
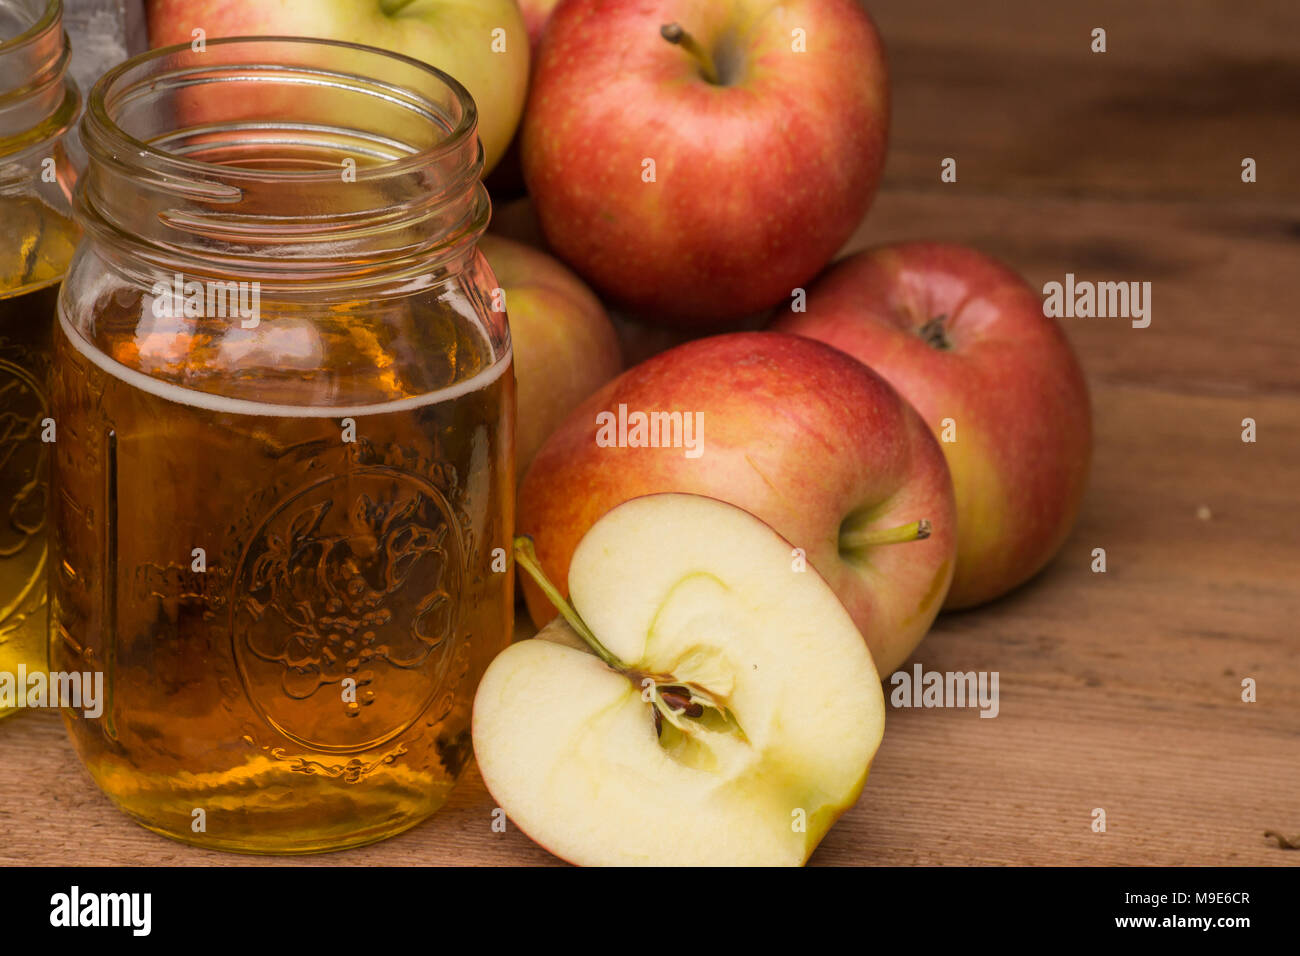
(38, 105)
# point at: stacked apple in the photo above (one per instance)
(965, 340)
(730, 588)
(696, 161)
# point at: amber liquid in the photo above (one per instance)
(35, 246)
(291, 624)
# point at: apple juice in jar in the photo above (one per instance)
(37, 237)
(284, 472)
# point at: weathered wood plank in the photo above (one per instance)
(1013, 92)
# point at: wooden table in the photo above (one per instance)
(1120, 690)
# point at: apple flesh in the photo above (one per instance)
(457, 38)
(964, 338)
(766, 126)
(564, 344)
(801, 435)
(731, 719)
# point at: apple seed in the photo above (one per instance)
(670, 699)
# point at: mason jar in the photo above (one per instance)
(284, 479)
(38, 106)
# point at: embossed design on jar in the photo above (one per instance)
(23, 492)
(356, 576)
(354, 771)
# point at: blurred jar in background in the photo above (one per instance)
(38, 105)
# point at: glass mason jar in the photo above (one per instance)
(38, 105)
(284, 471)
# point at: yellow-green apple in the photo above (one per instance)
(483, 44)
(804, 437)
(965, 340)
(697, 161)
(564, 345)
(699, 703)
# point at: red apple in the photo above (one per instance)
(802, 436)
(703, 177)
(965, 340)
(564, 345)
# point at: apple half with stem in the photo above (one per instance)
(699, 703)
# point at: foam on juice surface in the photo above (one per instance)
(240, 406)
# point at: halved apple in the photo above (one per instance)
(702, 702)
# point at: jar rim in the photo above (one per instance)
(39, 102)
(50, 16)
(99, 127)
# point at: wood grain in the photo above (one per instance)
(1120, 690)
(1224, 277)
(1014, 93)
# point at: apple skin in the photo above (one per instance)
(757, 183)
(564, 344)
(1010, 382)
(454, 37)
(798, 434)
(536, 14)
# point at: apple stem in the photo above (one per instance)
(673, 33)
(393, 6)
(932, 333)
(526, 558)
(856, 540)
(670, 699)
